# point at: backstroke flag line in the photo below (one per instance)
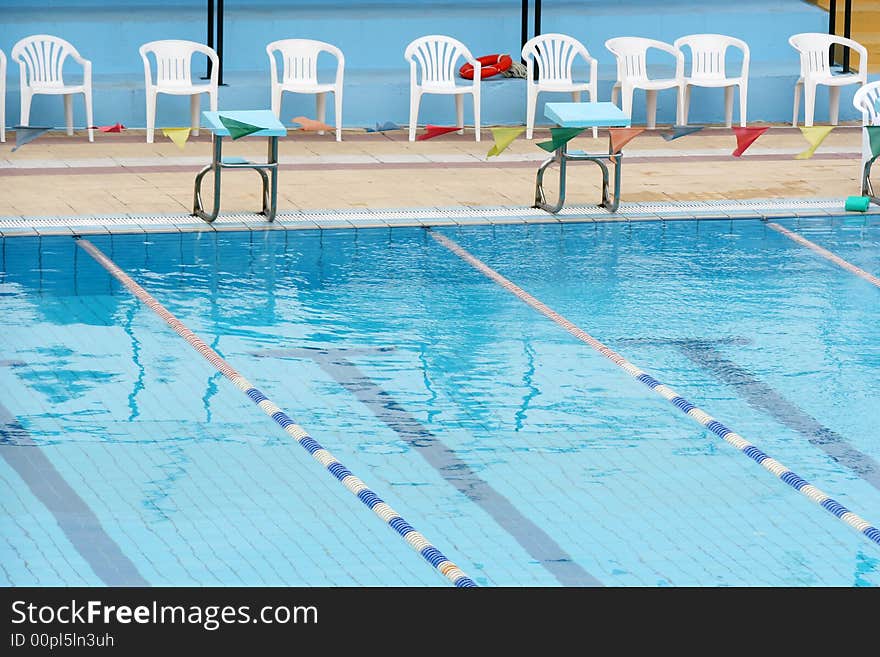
(815, 135)
(558, 137)
(238, 129)
(311, 125)
(681, 131)
(745, 137)
(177, 135)
(620, 137)
(25, 134)
(432, 131)
(503, 137)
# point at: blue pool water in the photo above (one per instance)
(522, 454)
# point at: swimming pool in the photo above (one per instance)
(500, 433)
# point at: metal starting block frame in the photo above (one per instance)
(582, 115)
(271, 128)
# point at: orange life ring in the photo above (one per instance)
(491, 65)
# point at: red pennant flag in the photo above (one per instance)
(620, 137)
(112, 128)
(745, 137)
(432, 131)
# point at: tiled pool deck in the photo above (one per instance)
(119, 183)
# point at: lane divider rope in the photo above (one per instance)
(682, 404)
(825, 253)
(356, 486)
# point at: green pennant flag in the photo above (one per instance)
(238, 129)
(558, 137)
(874, 139)
(503, 138)
(25, 134)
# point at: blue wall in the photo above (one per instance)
(373, 36)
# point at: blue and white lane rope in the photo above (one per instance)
(418, 542)
(713, 425)
(825, 253)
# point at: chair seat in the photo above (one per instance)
(660, 83)
(446, 89)
(562, 86)
(307, 88)
(58, 88)
(835, 80)
(713, 82)
(184, 90)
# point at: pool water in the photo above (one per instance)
(522, 454)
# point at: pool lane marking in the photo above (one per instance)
(763, 397)
(74, 517)
(443, 459)
(354, 485)
(771, 465)
(825, 253)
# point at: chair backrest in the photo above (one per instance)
(41, 59)
(867, 101)
(299, 58)
(632, 56)
(555, 55)
(2, 75)
(174, 62)
(709, 53)
(813, 48)
(437, 58)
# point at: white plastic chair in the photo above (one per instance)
(174, 76)
(867, 101)
(555, 55)
(708, 69)
(2, 96)
(300, 75)
(813, 48)
(41, 58)
(632, 73)
(433, 65)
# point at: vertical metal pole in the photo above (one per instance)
(210, 39)
(524, 28)
(832, 26)
(847, 24)
(537, 26)
(220, 40)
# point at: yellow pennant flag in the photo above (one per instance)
(503, 138)
(815, 135)
(177, 135)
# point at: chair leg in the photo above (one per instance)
(337, 109)
(477, 116)
(679, 104)
(213, 100)
(24, 116)
(809, 104)
(743, 103)
(151, 115)
(651, 108)
(593, 99)
(276, 101)
(321, 108)
(685, 104)
(87, 96)
(728, 106)
(414, 99)
(194, 106)
(459, 113)
(2, 116)
(68, 113)
(797, 103)
(531, 105)
(615, 90)
(833, 104)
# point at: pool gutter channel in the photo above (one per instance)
(766, 209)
